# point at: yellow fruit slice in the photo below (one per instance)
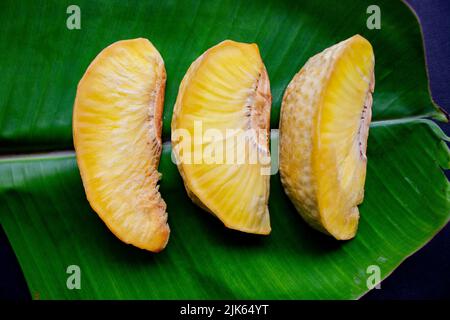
(324, 125)
(225, 98)
(117, 138)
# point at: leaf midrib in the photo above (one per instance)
(70, 153)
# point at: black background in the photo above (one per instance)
(423, 275)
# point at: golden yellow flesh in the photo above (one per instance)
(117, 137)
(326, 114)
(226, 88)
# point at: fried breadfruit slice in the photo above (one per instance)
(224, 98)
(117, 138)
(324, 125)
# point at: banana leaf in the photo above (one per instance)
(50, 225)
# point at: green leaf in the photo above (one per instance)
(42, 60)
(50, 225)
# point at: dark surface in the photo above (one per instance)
(12, 282)
(422, 276)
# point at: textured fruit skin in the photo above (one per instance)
(125, 79)
(257, 107)
(302, 165)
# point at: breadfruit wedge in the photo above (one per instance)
(117, 138)
(220, 135)
(324, 125)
